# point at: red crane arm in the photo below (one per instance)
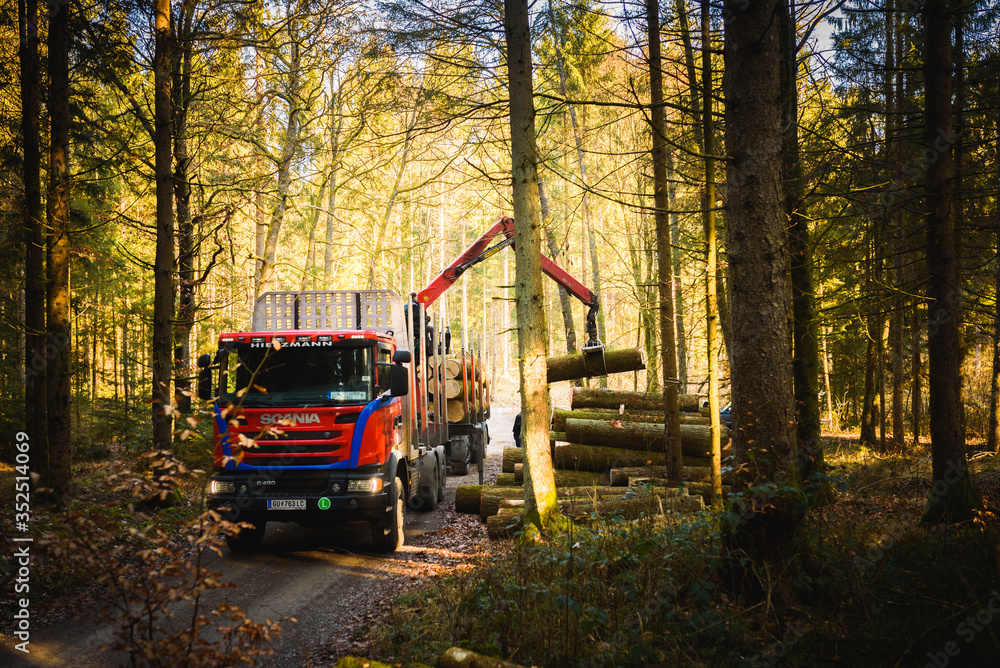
(478, 252)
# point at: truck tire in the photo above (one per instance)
(246, 540)
(387, 531)
(462, 467)
(442, 477)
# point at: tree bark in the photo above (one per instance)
(289, 148)
(805, 334)
(187, 251)
(664, 246)
(758, 258)
(35, 419)
(163, 267)
(952, 496)
(565, 305)
(541, 509)
(58, 387)
(711, 257)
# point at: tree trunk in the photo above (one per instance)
(993, 421)
(805, 337)
(559, 40)
(58, 377)
(289, 148)
(676, 256)
(187, 251)
(565, 305)
(35, 419)
(664, 246)
(163, 268)
(993, 428)
(711, 257)
(541, 509)
(952, 495)
(758, 258)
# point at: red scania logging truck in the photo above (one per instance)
(331, 407)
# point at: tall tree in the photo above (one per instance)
(952, 495)
(182, 52)
(711, 252)
(57, 267)
(34, 239)
(805, 331)
(541, 508)
(163, 263)
(758, 258)
(664, 247)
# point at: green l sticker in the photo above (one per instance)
(324, 503)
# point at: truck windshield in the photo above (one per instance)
(313, 376)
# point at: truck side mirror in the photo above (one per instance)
(399, 376)
(205, 377)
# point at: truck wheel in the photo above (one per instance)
(246, 540)
(387, 532)
(462, 467)
(442, 479)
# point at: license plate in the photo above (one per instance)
(286, 504)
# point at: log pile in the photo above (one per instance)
(465, 386)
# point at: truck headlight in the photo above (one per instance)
(221, 487)
(370, 486)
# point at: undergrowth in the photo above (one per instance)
(867, 586)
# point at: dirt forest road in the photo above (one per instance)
(329, 580)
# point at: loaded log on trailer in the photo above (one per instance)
(592, 361)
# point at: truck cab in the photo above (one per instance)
(321, 416)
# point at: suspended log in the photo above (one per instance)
(575, 456)
(635, 402)
(467, 498)
(572, 367)
(696, 439)
(560, 415)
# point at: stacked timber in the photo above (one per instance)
(639, 402)
(696, 439)
(466, 388)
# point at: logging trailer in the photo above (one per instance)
(332, 406)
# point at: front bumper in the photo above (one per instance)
(324, 495)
